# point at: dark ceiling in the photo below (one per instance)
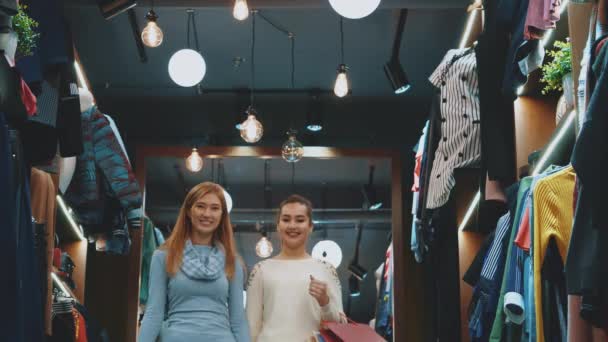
(134, 92)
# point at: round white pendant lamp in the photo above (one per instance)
(228, 201)
(328, 250)
(187, 67)
(354, 9)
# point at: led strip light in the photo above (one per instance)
(75, 227)
(59, 284)
(80, 75)
(469, 28)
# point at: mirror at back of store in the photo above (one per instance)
(351, 216)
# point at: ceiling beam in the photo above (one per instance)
(143, 57)
(386, 4)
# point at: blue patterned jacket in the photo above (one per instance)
(103, 190)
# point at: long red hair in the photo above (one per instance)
(224, 234)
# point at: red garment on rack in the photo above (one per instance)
(28, 98)
(523, 235)
(80, 328)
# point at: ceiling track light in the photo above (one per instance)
(354, 288)
(187, 67)
(341, 86)
(393, 69)
(152, 35)
(314, 115)
(397, 77)
(370, 198)
(358, 273)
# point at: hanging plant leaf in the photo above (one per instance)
(558, 67)
(25, 27)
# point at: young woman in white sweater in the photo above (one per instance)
(290, 294)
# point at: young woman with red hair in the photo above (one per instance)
(196, 279)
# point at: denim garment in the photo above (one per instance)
(499, 320)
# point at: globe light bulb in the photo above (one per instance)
(341, 86)
(152, 35)
(328, 250)
(263, 248)
(194, 162)
(251, 129)
(187, 68)
(240, 11)
(228, 201)
(292, 150)
(354, 9)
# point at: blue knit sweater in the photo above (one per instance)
(198, 309)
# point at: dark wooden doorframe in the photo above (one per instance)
(405, 326)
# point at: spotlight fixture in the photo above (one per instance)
(194, 162)
(292, 150)
(354, 9)
(358, 273)
(395, 74)
(152, 35)
(314, 115)
(357, 270)
(393, 69)
(252, 129)
(240, 10)
(314, 123)
(370, 198)
(341, 85)
(353, 286)
(187, 67)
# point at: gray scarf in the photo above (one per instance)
(203, 267)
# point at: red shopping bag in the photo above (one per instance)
(349, 332)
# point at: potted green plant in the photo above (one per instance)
(25, 27)
(557, 76)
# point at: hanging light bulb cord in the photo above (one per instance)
(192, 23)
(292, 39)
(254, 12)
(293, 177)
(341, 40)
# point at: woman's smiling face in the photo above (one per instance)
(294, 225)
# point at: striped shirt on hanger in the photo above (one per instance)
(496, 254)
(460, 142)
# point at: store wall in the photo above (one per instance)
(534, 124)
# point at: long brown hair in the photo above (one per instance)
(183, 228)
